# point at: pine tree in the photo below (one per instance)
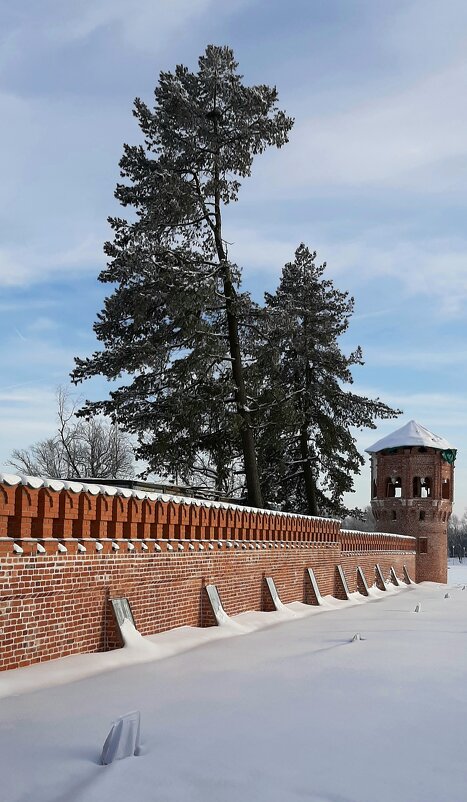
(307, 452)
(173, 324)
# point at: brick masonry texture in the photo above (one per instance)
(424, 518)
(65, 554)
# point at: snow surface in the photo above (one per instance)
(295, 711)
(412, 434)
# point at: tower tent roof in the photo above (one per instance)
(412, 434)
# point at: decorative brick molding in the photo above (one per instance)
(42, 508)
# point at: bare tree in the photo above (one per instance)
(362, 520)
(81, 448)
(457, 536)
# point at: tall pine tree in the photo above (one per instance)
(172, 326)
(307, 453)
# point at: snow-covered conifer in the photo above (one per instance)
(172, 325)
(307, 451)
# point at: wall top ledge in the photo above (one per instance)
(376, 534)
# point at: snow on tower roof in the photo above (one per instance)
(412, 434)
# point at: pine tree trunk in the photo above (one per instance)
(310, 486)
(253, 485)
(246, 432)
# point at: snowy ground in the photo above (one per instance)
(290, 712)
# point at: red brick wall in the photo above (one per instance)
(55, 602)
(53, 605)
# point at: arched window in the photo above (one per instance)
(421, 486)
(421, 515)
(394, 515)
(393, 487)
(446, 489)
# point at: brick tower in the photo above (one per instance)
(412, 484)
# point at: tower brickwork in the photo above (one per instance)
(412, 486)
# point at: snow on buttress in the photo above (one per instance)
(286, 713)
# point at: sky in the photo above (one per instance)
(374, 179)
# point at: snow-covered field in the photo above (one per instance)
(295, 711)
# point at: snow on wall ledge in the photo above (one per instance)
(66, 548)
(36, 482)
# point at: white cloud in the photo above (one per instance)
(48, 359)
(440, 412)
(26, 415)
(374, 314)
(26, 304)
(147, 24)
(259, 251)
(21, 265)
(415, 358)
(427, 28)
(16, 397)
(42, 324)
(54, 204)
(433, 270)
(397, 140)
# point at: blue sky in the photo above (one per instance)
(374, 178)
